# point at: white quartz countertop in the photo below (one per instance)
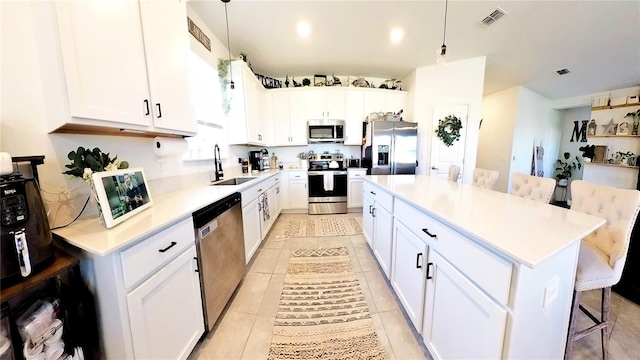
(92, 236)
(524, 230)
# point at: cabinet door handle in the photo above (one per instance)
(373, 212)
(159, 110)
(370, 206)
(429, 267)
(146, 106)
(173, 243)
(372, 192)
(259, 190)
(197, 268)
(426, 231)
(418, 263)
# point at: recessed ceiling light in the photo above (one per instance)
(396, 35)
(304, 29)
(562, 71)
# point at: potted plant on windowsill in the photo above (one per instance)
(565, 167)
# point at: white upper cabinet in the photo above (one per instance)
(354, 118)
(247, 113)
(289, 125)
(125, 65)
(325, 103)
(376, 100)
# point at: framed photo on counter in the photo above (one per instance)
(121, 194)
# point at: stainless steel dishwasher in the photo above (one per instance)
(220, 246)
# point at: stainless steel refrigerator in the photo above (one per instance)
(390, 147)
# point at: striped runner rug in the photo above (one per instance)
(323, 313)
(323, 226)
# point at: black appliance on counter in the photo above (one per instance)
(26, 243)
(327, 184)
(259, 159)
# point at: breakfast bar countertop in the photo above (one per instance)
(524, 230)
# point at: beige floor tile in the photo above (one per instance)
(334, 241)
(259, 339)
(301, 243)
(380, 291)
(252, 289)
(265, 261)
(382, 335)
(272, 242)
(358, 240)
(271, 298)
(401, 337)
(367, 293)
(366, 259)
(283, 262)
(228, 340)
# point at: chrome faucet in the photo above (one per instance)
(217, 159)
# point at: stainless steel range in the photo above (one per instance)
(327, 184)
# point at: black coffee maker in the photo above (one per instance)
(255, 159)
(26, 243)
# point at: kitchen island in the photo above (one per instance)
(480, 273)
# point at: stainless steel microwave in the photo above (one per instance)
(326, 131)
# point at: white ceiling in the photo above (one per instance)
(598, 41)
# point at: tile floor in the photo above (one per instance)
(245, 327)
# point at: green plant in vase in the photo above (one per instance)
(635, 117)
(223, 75)
(565, 168)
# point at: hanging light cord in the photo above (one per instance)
(444, 35)
(226, 17)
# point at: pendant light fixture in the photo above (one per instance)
(226, 17)
(442, 58)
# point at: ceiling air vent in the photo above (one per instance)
(493, 17)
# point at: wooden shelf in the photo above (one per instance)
(612, 136)
(612, 165)
(61, 263)
(596, 108)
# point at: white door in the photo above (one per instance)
(443, 156)
(408, 272)
(251, 219)
(460, 321)
(367, 219)
(382, 246)
(165, 312)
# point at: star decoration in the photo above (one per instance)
(610, 128)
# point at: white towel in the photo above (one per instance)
(328, 180)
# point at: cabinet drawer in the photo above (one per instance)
(356, 173)
(144, 258)
(381, 197)
(253, 192)
(487, 270)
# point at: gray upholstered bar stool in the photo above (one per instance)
(485, 178)
(454, 173)
(532, 187)
(602, 253)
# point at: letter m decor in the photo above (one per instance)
(579, 134)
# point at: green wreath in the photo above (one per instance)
(449, 129)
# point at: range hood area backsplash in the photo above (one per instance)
(289, 154)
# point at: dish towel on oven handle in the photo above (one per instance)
(328, 180)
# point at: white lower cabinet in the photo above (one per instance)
(367, 219)
(456, 309)
(355, 187)
(251, 219)
(377, 221)
(298, 191)
(165, 311)
(408, 274)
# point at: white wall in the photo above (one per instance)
(459, 83)
(499, 115)
(513, 121)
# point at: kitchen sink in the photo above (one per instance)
(234, 181)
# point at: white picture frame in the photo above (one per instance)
(121, 194)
